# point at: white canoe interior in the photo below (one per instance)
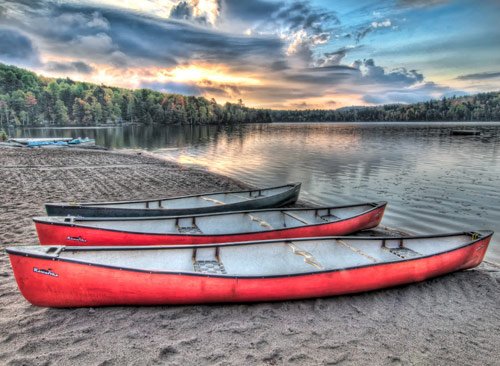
(206, 200)
(272, 258)
(226, 223)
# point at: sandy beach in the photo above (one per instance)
(454, 319)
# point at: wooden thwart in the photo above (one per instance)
(356, 250)
(239, 196)
(298, 218)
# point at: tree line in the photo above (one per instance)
(28, 99)
(478, 107)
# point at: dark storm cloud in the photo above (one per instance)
(184, 11)
(76, 66)
(479, 76)
(255, 10)
(123, 38)
(300, 15)
(334, 58)
(17, 47)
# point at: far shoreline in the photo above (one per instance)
(133, 124)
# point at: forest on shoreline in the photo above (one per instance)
(27, 99)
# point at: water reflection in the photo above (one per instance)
(434, 182)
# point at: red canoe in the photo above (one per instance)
(209, 228)
(59, 276)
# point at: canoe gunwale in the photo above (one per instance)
(292, 186)
(485, 235)
(378, 205)
(147, 218)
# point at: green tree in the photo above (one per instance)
(60, 113)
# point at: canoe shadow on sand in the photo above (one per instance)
(440, 316)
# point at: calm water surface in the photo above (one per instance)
(434, 182)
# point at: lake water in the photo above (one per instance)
(434, 182)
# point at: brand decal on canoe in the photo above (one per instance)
(47, 272)
(76, 238)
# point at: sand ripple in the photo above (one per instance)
(450, 320)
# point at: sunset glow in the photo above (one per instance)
(273, 54)
(199, 73)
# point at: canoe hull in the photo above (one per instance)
(66, 234)
(278, 200)
(63, 283)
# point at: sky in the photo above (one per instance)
(270, 53)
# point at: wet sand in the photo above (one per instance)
(454, 319)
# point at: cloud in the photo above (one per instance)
(17, 47)
(383, 24)
(249, 11)
(100, 43)
(197, 89)
(334, 58)
(479, 76)
(302, 105)
(173, 87)
(69, 67)
(293, 52)
(415, 94)
(420, 3)
(110, 35)
(377, 74)
(192, 10)
(373, 26)
(328, 75)
(300, 25)
(182, 11)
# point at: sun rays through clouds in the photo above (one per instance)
(273, 54)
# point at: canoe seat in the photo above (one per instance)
(213, 267)
(189, 230)
(207, 260)
(404, 253)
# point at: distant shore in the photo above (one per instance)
(454, 319)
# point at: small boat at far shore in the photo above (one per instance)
(209, 228)
(465, 132)
(59, 276)
(254, 199)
